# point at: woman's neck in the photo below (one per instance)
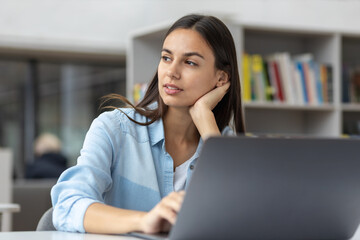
(181, 135)
(179, 126)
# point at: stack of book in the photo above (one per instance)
(297, 80)
(139, 91)
(351, 84)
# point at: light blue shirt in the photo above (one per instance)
(121, 164)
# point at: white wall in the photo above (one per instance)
(103, 25)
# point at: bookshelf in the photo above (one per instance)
(333, 48)
(350, 58)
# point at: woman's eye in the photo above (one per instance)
(191, 63)
(165, 58)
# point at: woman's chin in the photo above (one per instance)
(172, 104)
(180, 103)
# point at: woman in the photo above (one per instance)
(134, 158)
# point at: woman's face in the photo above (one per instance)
(187, 68)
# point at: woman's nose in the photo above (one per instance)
(173, 71)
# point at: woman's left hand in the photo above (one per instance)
(211, 99)
(201, 111)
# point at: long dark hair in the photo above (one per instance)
(222, 44)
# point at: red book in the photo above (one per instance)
(280, 91)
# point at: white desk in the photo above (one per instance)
(5, 210)
(54, 235)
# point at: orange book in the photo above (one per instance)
(323, 77)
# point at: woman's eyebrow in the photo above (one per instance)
(166, 50)
(189, 54)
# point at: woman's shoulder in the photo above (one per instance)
(120, 116)
(119, 120)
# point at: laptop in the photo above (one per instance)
(271, 188)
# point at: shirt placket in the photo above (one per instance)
(168, 172)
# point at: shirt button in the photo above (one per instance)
(191, 167)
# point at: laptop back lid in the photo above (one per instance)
(273, 188)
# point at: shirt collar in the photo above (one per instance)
(156, 132)
(198, 149)
(156, 129)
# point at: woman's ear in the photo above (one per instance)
(223, 77)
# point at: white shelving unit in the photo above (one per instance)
(328, 47)
(143, 55)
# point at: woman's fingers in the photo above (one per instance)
(212, 98)
(167, 213)
(164, 213)
(175, 200)
(171, 205)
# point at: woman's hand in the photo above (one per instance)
(211, 99)
(201, 111)
(163, 215)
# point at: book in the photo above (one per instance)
(345, 84)
(301, 72)
(284, 63)
(258, 77)
(319, 87)
(329, 73)
(351, 83)
(355, 86)
(299, 84)
(139, 91)
(269, 87)
(324, 80)
(313, 82)
(310, 78)
(272, 80)
(275, 79)
(246, 77)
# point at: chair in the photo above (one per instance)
(5, 215)
(45, 222)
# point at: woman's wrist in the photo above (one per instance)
(138, 223)
(205, 122)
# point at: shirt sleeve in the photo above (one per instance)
(84, 184)
(227, 131)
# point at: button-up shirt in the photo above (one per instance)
(122, 164)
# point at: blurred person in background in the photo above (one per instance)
(49, 162)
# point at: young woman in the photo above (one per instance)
(135, 162)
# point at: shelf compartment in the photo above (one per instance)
(293, 121)
(351, 107)
(284, 106)
(351, 122)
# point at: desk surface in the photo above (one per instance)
(54, 235)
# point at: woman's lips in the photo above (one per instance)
(171, 89)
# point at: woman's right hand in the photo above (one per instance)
(163, 215)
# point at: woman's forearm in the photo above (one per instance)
(101, 218)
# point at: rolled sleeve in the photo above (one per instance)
(84, 184)
(227, 131)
